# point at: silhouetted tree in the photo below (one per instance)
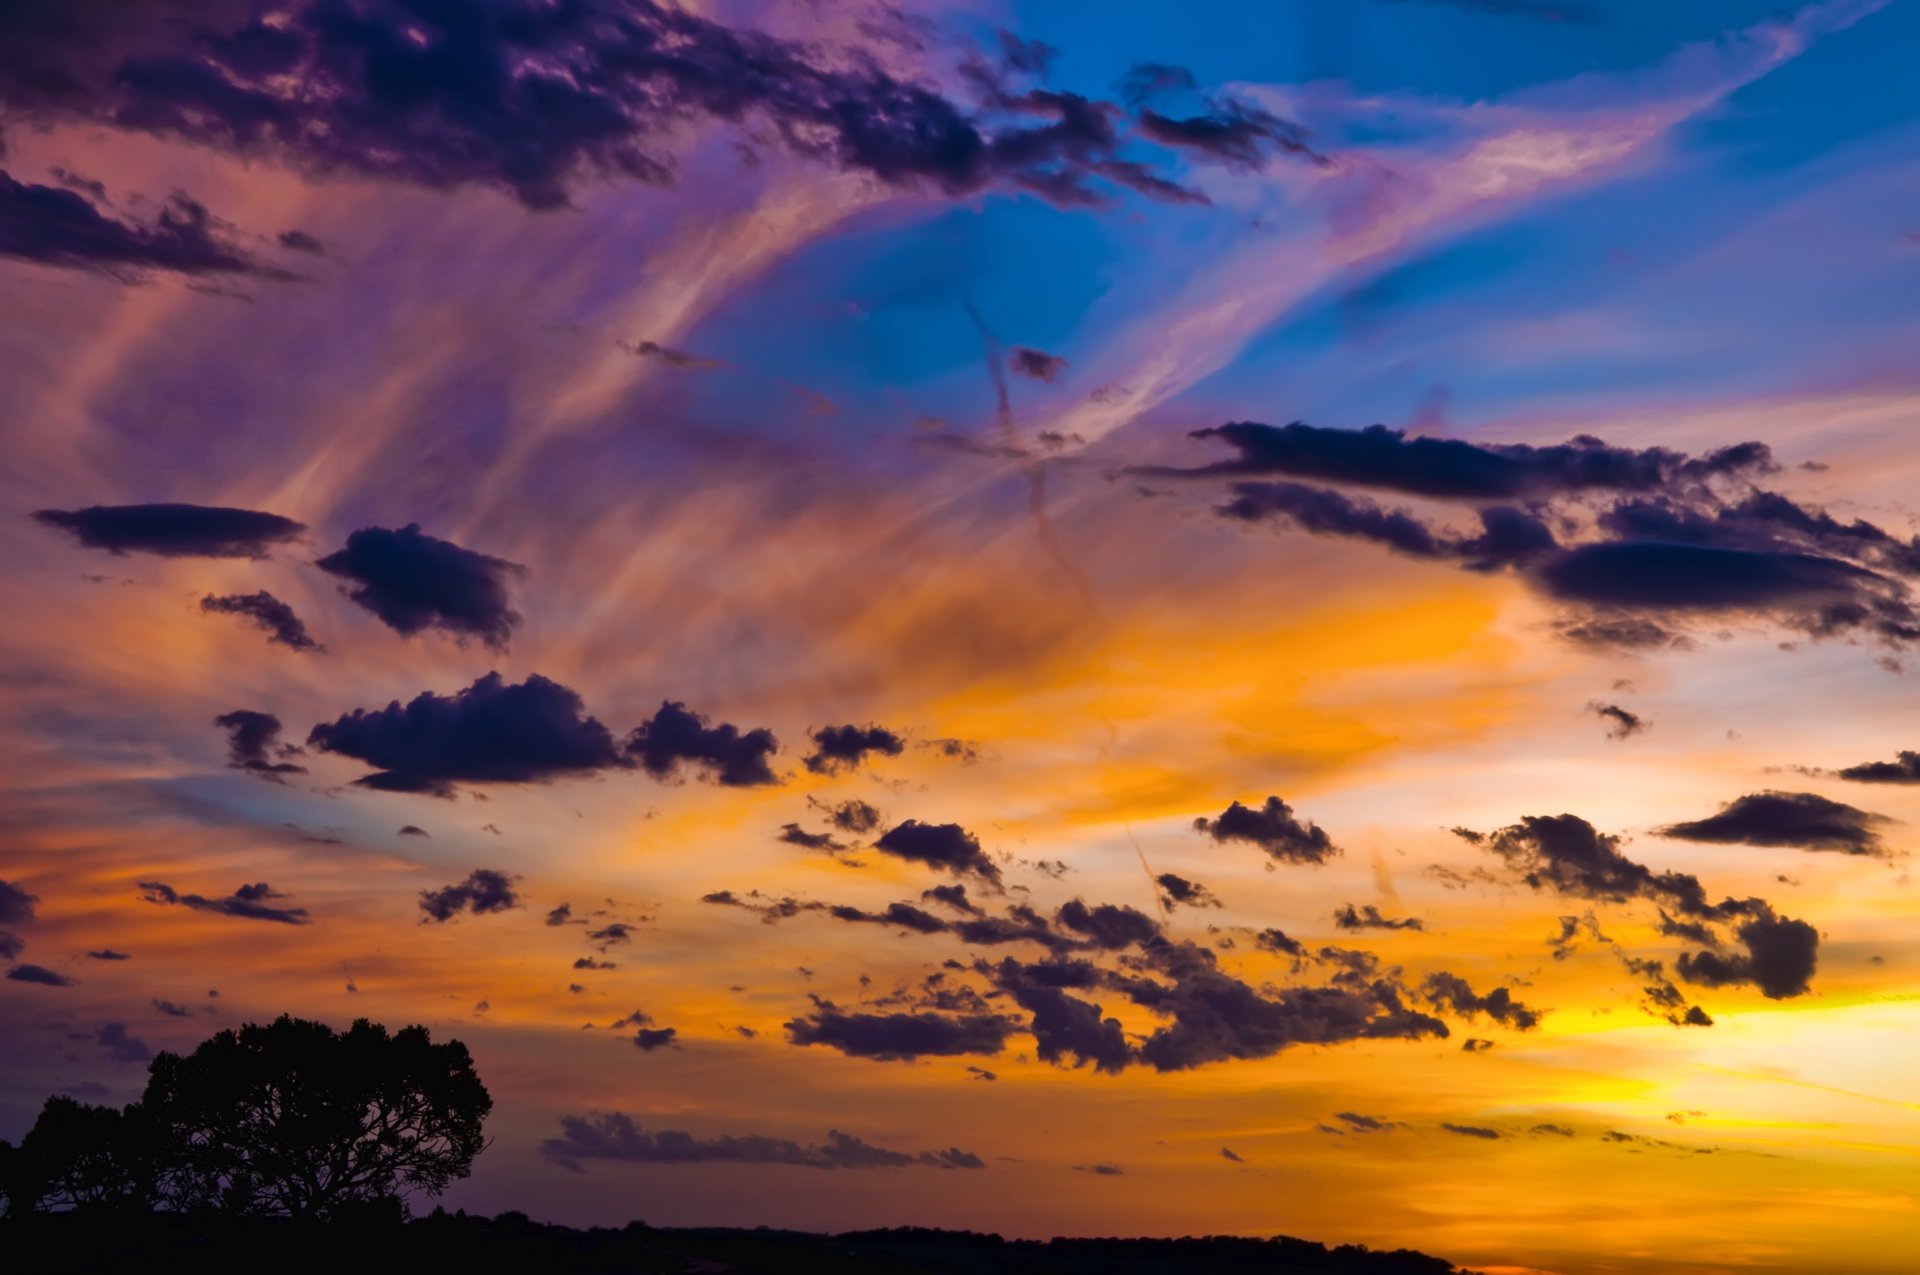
(79, 1156)
(294, 1118)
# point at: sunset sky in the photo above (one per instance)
(1053, 617)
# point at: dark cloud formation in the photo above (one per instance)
(11, 945)
(1904, 769)
(1567, 854)
(108, 954)
(1454, 469)
(121, 1045)
(411, 830)
(1065, 1028)
(1471, 1130)
(297, 240)
(675, 737)
(1366, 1124)
(16, 905)
(1779, 960)
(267, 613)
(1508, 536)
(38, 974)
(537, 98)
(1802, 819)
(1475, 1045)
(561, 915)
(1621, 724)
(1108, 925)
(491, 732)
(945, 846)
(855, 816)
(66, 228)
(414, 582)
(794, 835)
(1368, 917)
(484, 891)
(614, 1136)
(673, 358)
(249, 902)
(1237, 135)
(253, 742)
(838, 748)
(1275, 829)
(900, 1036)
(1273, 940)
(174, 530)
(1450, 991)
(170, 1008)
(648, 1039)
(1035, 364)
(1176, 890)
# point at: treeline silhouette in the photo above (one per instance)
(294, 1145)
(289, 1119)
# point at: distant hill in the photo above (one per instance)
(513, 1243)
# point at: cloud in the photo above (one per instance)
(648, 1039)
(1176, 889)
(491, 732)
(1227, 1153)
(11, 945)
(170, 1009)
(1780, 958)
(1234, 134)
(1454, 469)
(676, 736)
(122, 1047)
(297, 240)
(561, 915)
(1273, 940)
(1274, 829)
(1450, 991)
(945, 846)
(1064, 1027)
(1801, 819)
(1471, 1130)
(855, 816)
(1347, 917)
(108, 954)
(1108, 925)
(175, 531)
(267, 613)
(16, 905)
(846, 747)
(537, 99)
(51, 226)
(253, 741)
(1366, 1124)
(891, 1037)
(413, 582)
(1035, 364)
(412, 830)
(1621, 724)
(38, 974)
(673, 358)
(1904, 769)
(484, 891)
(248, 902)
(615, 1137)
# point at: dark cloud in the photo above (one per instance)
(1904, 769)
(411, 830)
(953, 896)
(11, 945)
(673, 358)
(1227, 1153)
(413, 582)
(588, 963)
(1801, 819)
(1274, 829)
(1450, 991)
(1101, 1170)
(562, 915)
(854, 816)
(648, 1039)
(482, 892)
(1567, 854)
(297, 240)
(676, 736)
(1065, 1028)
(845, 747)
(539, 98)
(1277, 941)
(248, 902)
(16, 905)
(38, 974)
(121, 1046)
(1108, 925)
(794, 835)
(1366, 1124)
(1035, 364)
(1176, 890)
(253, 741)
(1621, 724)
(945, 846)
(175, 531)
(1508, 536)
(1145, 82)
(267, 613)
(1368, 917)
(1454, 469)
(901, 1036)
(491, 732)
(170, 1009)
(1779, 960)
(1475, 1045)
(1237, 135)
(108, 954)
(1471, 1130)
(614, 1136)
(51, 226)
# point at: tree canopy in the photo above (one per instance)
(290, 1118)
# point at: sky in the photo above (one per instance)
(1049, 617)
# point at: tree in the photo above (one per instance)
(294, 1118)
(79, 1156)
